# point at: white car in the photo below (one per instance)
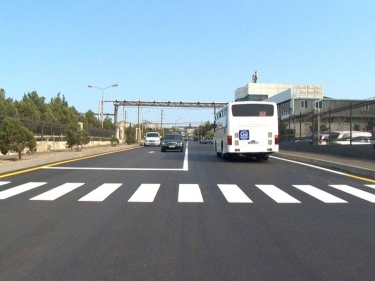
(343, 137)
(152, 139)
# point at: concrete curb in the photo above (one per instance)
(38, 162)
(355, 170)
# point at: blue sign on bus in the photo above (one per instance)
(244, 134)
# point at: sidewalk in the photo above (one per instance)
(10, 163)
(358, 167)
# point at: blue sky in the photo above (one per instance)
(192, 50)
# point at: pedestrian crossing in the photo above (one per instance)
(192, 193)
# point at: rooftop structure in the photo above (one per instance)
(262, 91)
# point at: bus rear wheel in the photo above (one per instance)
(262, 157)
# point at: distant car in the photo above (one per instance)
(172, 142)
(152, 139)
(206, 141)
(196, 139)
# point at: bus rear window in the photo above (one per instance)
(242, 110)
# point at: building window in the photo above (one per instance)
(318, 104)
(365, 106)
(304, 104)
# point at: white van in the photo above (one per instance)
(152, 139)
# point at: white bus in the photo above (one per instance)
(249, 128)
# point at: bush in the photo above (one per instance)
(76, 136)
(114, 141)
(130, 139)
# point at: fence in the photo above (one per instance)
(46, 130)
(355, 117)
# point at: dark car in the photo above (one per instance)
(172, 142)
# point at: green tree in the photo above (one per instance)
(370, 124)
(107, 124)
(76, 136)
(59, 107)
(323, 127)
(91, 120)
(204, 130)
(15, 137)
(28, 109)
(7, 106)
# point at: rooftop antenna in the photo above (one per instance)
(255, 77)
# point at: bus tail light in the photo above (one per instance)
(276, 139)
(229, 139)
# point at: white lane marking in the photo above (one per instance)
(312, 166)
(57, 192)
(4, 182)
(186, 166)
(111, 169)
(320, 194)
(189, 193)
(234, 194)
(277, 194)
(146, 192)
(19, 189)
(370, 185)
(356, 192)
(101, 193)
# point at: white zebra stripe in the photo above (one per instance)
(234, 194)
(101, 193)
(145, 193)
(277, 194)
(19, 189)
(57, 192)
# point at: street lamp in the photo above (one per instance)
(101, 107)
(175, 123)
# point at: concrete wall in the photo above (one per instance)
(354, 151)
(43, 146)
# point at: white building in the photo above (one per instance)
(290, 98)
(298, 99)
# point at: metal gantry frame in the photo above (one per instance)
(166, 104)
(170, 104)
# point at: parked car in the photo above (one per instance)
(356, 140)
(323, 139)
(172, 142)
(206, 141)
(343, 138)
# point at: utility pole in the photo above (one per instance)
(161, 123)
(139, 126)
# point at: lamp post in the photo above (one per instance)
(101, 107)
(175, 123)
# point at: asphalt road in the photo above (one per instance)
(147, 215)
